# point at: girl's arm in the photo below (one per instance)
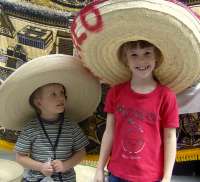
(106, 146)
(29, 163)
(169, 153)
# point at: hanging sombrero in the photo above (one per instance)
(10, 171)
(103, 26)
(85, 173)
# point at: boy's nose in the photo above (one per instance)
(61, 97)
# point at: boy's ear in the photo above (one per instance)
(37, 102)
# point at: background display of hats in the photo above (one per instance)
(101, 27)
(83, 90)
(10, 171)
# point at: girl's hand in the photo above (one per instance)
(46, 169)
(99, 176)
(165, 180)
(58, 166)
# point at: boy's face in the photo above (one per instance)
(141, 61)
(51, 101)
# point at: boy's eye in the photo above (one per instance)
(62, 93)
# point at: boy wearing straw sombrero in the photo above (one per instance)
(43, 97)
(148, 50)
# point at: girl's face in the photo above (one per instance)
(51, 101)
(141, 61)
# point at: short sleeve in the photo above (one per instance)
(169, 111)
(110, 101)
(79, 139)
(24, 141)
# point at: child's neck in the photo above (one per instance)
(143, 86)
(49, 117)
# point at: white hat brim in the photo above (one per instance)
(84, 173)
(83, 89)
(188, 100)
(10, 171)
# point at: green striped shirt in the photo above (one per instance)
(34, 142)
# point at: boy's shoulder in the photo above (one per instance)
(70, 123)
(33, 123)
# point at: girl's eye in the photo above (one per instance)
(147, 53)
(53, 94)
(133, 55)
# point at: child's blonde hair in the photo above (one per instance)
(37, 93)
(142, 44)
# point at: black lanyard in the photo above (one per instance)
(54, 147)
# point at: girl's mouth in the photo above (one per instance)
(142, 68)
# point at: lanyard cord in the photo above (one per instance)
(54, 147)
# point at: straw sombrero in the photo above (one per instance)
(84, 173)
(102, 26)
(10, 171)
(83, 90)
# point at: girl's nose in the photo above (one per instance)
(142, 59)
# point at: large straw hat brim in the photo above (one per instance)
(10, 171)
(172, 28)
(83, 90)
(84, 173)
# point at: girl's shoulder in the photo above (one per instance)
(166, 89)
(166, 92)
(120, 87)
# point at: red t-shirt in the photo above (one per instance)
(138, 152)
